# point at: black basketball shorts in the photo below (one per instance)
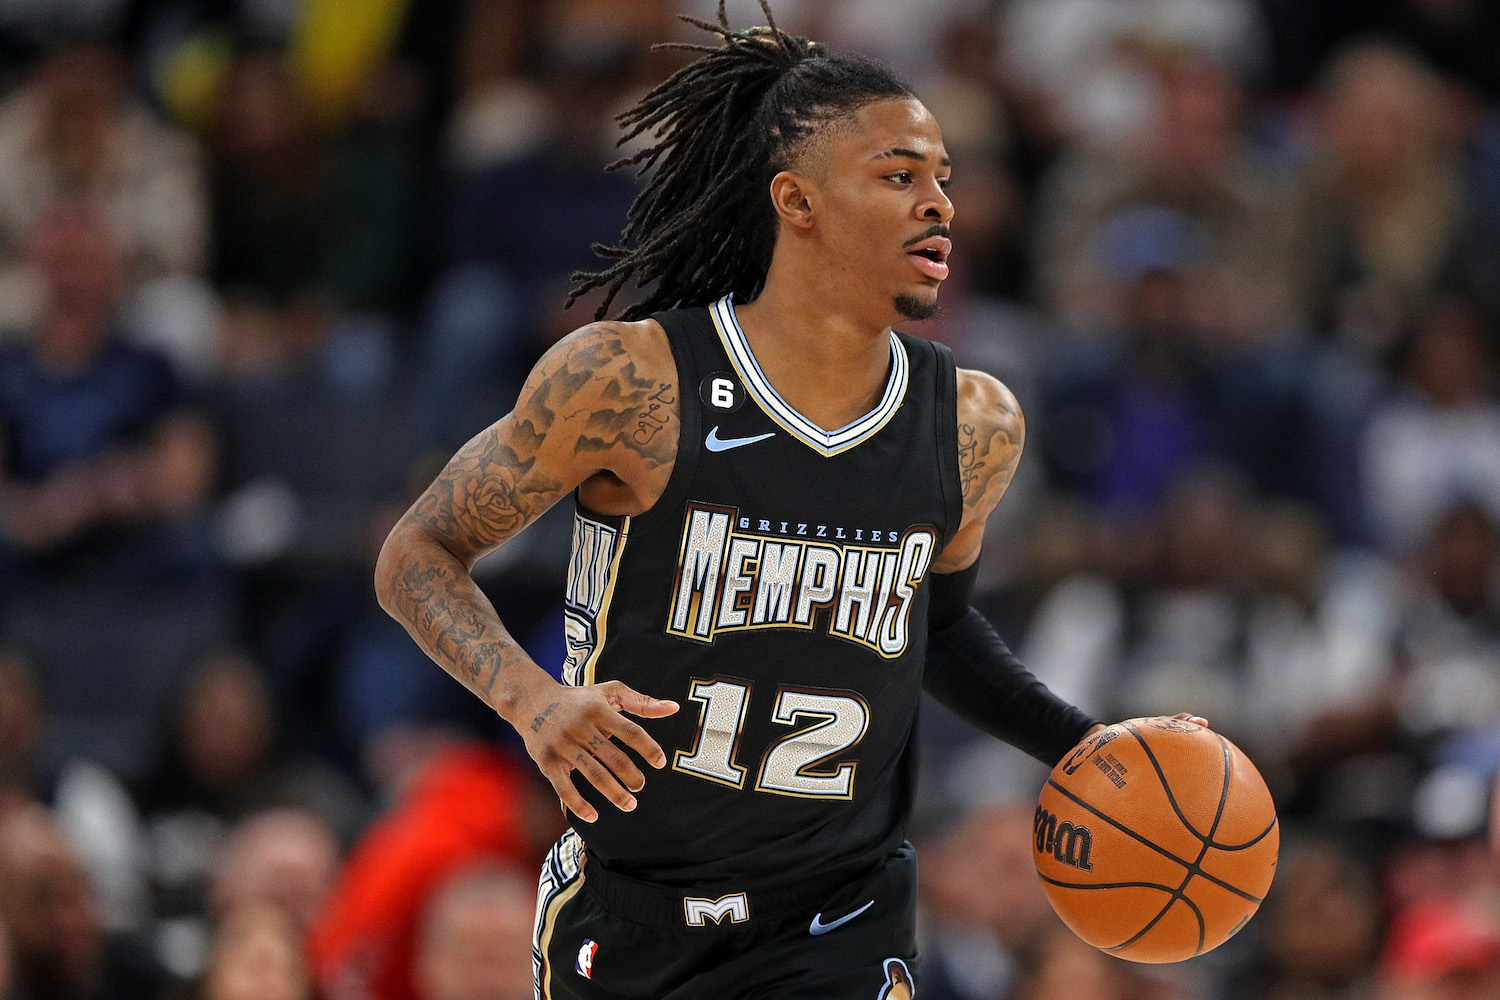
(600, 936)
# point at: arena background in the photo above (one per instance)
(265, 263)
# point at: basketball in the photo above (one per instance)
(1155, 840)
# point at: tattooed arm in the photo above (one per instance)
(598, 413)
(991, 432)
(969, 667)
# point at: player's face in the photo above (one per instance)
(885, 210)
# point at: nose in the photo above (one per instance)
(936, 208)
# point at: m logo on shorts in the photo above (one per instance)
(585, 964)
(699, 911)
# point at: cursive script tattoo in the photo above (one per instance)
(969, 463)
(656, 415)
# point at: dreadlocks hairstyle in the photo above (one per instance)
(725, 124)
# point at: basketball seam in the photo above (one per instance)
(1176, 896)
(1208, 840)
(1162, 777)
(1249, 843)
(1156, 847)
(1105, 885)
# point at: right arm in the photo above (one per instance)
(591, 412)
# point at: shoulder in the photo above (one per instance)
(607, 394)
(991, 434)
(611, 349)
(986, 404)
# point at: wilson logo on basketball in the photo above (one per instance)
(1071, 845)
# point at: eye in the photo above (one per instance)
(943, 182)
(900, 177)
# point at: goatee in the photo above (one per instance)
(911, 307)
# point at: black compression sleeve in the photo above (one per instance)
(972, 671)
(950, 597)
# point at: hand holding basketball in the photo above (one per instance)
(1156, 839)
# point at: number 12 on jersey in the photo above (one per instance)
(791, 765)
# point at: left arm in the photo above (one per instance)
(969, 667)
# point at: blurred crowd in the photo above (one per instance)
(264, 264)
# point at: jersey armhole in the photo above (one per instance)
(946, 428)
(678, 327)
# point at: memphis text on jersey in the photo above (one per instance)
(737, 574)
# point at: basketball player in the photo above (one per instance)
(780, 504)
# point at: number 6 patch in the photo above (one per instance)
(723, 392)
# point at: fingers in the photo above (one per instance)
(598, 776)
(627, 699)
(1196, 720)
(638, 740)
(568, 795)
(615, 759)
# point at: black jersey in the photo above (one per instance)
(776, 592)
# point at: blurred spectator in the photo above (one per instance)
(225, 790)
(222, 739)
(1123, 418)
(21, 721)
(1188, 629)
(225, 760)
(283, 860)
(5, 961)
(468, 803)
(1442, 949)
(1435, 440)
(257, 955)
(60, 950)
(983, 909)
(288, 858)
(967, 95)
(1383, 205)
(297, 214)
(98, 439)
(1191, 165)
(1459, 37)
(1228, 601)
(105, 469)
(505, 271)
(1450, 633)
(1066, 967)
(1320, 928)
(75, 131)
(475, 937)
(1081, 58)
(1319, 661)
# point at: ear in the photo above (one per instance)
(793, 195)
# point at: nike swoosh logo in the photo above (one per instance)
(818, 927)
(715, 443)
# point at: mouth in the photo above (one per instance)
(931, 257)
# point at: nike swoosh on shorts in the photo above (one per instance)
(715, 443)
(818, 927)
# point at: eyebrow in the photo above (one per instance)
(901, 152)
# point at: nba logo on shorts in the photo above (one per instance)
(585, 964)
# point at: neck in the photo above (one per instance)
(830, 363)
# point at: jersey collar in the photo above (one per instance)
(826, 443)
